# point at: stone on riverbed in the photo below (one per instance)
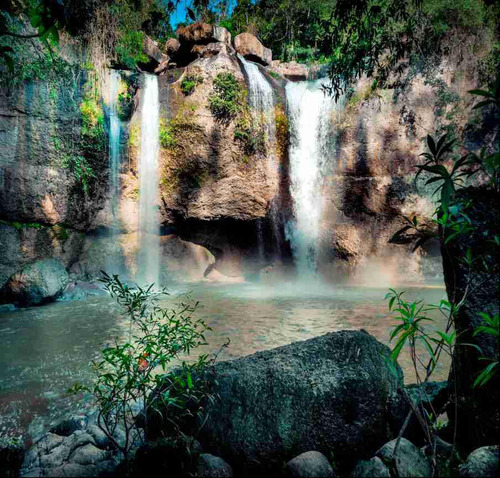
(373, 468)
(309, 464)
(330, 393)
(483, 462)
(36, 283)
(408, 460)
(210, 466)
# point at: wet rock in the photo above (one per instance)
(371, 468)
(291, 71)
(329, 393)
(70, 425)
(309, 464)
(483, 462)
(213, 466)
(78, 453)
(37, 283)
(251, 48)
(88, 455)
(100, 438)
(408, 460)
(183, 259)
(7, 308)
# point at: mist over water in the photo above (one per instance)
(309, 109)
(149, 216)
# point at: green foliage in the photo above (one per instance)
(412, 317)
(250, 132)
(490, 326)
(274, 75)
(126, 95)
(452, 218)
(81, 169)
(168, 131)
(138, 370)
(189, 83)
(129, 49)
(227, 97)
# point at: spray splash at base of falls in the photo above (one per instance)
(149, 216)
(261, 102)
(309, 111)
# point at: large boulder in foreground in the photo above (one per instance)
(329, 394)
(251, 48)
(36, 283)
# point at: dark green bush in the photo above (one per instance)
(189, 82)
(227, 97)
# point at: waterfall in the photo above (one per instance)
(309, 110)
(114, 142)
(149, 217)
(261, 101)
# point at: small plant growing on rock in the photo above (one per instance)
(167, 131)
(81, 169)
(133, 381)
(189, 83)
(227, 97)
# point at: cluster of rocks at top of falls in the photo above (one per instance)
(203, 40)
(326, 406)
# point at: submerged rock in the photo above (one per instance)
(251, 48)
(309, 464)
(37, 283)
(328, 394)
(483, 462)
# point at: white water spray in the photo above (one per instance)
(261, 101)
(149, 216)
(309, 111)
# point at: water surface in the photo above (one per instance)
(45, 350)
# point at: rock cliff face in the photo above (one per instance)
(217, 190)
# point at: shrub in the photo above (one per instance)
(189, 82)
(251, 133)
(81, 169)
(128, 372)
(227, 97)
(129, 49)
(168, 130)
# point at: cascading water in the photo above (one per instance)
(149, 217)
(309, 110)
(114, 141)
(261, 101)
(114, 259)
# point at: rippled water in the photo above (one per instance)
(45, 350)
